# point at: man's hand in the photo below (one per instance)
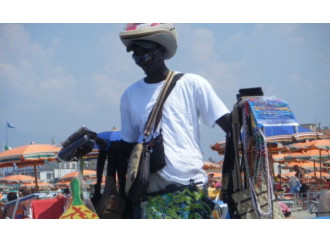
(102, 143)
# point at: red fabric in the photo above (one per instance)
(278, 186)
(48, 208)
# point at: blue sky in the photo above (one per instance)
(54, 78)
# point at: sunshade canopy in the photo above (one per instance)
(75, 174)
(33, 154)
(17, 179)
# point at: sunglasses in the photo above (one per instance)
(145, 57)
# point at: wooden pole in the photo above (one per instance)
(314, 170)
(36, 177)
(320, 168)
(280, 174)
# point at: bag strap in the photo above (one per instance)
(170, 88)
(237, 182)
(156, 112)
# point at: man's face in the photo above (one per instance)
(146, 58)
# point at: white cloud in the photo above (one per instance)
(26, 66)
(202, 44)
(30, 79)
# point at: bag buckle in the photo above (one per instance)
(191, 183)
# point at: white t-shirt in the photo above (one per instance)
(192, 99)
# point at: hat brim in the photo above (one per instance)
(163, 38)
(143, 43)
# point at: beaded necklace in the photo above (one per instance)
(256, 163)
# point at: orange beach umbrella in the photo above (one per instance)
(17, 179)
(210, 165)
(29, 155)
(288, 174)
(314, 144)
(318, 175)
(33, 154)
(301, 163)
(307, 154)
(75, 174)
(40, 184)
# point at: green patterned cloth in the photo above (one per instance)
(186, 204)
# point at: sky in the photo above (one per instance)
(56, 77)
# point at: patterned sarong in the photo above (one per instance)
(186, 204)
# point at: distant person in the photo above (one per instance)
(11, 196)
(301, 177)
(210, 181)
(1, 208)
(7, 211)
(25, 192)
(66, 191)
(1, 204)
(295, 185)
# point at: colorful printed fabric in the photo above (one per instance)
(186, 204)
(284, 208)
(139, 26)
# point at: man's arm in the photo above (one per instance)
(224, 122)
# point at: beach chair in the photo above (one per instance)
(290, 199)
(220, 210)
(313, 200)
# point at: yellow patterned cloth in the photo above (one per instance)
(213, 192)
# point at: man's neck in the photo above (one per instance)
(157, 76)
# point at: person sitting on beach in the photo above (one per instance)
(8, 211)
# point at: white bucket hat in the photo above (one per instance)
(161, 33)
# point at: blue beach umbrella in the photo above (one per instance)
(284, 130)
(112, 135)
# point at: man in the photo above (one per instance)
(301, 177)
(191, 99)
